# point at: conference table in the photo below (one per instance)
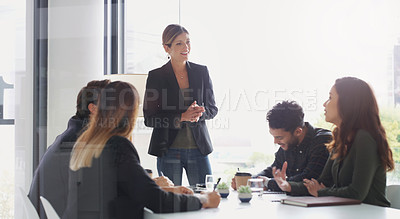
(269, 206)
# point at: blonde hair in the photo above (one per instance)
(116, 115)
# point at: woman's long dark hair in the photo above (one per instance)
(358, 109)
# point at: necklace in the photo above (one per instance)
(180, 75)
(179, 72)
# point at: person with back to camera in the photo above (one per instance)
(50, 179)
(301, 145)
(51, 176)
(178, 99)
(359, 153)
(106, 179)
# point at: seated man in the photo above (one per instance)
(301, 145)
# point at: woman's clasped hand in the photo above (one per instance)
(193, 113)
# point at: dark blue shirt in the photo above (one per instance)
(51, 177)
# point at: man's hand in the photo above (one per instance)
(264, 178)
(280, 178)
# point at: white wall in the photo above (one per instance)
(75, 56)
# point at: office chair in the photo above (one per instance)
(48, 208)
(393, 195)
(30, 211)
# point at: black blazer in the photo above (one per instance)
(117, 187)
(164, 103)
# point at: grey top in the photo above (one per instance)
(184, 139)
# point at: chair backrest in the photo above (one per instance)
(393, 195)
(30, 211)
(48, 208)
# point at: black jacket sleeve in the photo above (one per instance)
(134, 181)
(210, 106)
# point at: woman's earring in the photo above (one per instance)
(168, 56)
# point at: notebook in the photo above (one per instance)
(309, 201)
(274, 192)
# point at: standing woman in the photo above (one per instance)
(106, 179)
(179, 98)
(359, 153)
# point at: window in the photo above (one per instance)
(42, 101)
(143, 48)
(12, 63)
(261, 52)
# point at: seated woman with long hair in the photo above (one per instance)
(106, 179)
(359, 153)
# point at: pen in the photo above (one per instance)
(162, 174)
(219, 179)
